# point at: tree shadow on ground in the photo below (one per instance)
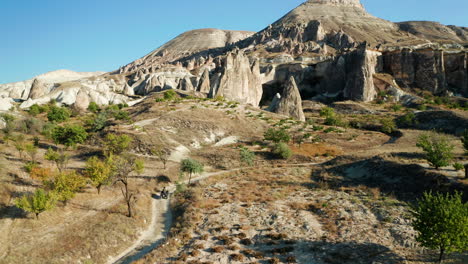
(405, 181)
(12, 212)
(91, 208)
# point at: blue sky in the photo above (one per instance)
(38, 36)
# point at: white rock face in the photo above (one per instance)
(240, 81)
(21, 90)
(290, 103)
(5, 103)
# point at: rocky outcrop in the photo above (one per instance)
(204, 84)
(290, 102)
(38, 89)
(432, 70)
(186, 85)
(240, 80)
(82, 101)
(360, 69)
(186, 44)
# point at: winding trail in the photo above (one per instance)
(161, 221)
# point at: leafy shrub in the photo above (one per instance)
(334, 121)
(98, 122)
(122, 105)
(458, 166)
(47, 129)
(69, 135)
(58, 114)
(247, 156)
(327, 112)
(121, 115)
(34, 110)
(407, 120)
(277, 135)
(30, 166)
(388, 125)
(170, 95)
(440, 221)
(437, 148)
(397, 107)
(317, 128)
(282, 150)
(31, 126)
(93, 107)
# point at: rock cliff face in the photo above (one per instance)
(239, 79)
(290, 102)
(436, 71)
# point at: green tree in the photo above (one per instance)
(247, 156)
(437, 148)
(99, 172)
(20, 144)
(116, 144)
(98, 122)
(31, 149)
(123, 166)
(65, 185)
(464, 140)
(69, 135)
(441, 223)
(36, 203)
(58, 114)
(282, 150)
(277, 135)
(191, 167)
(59, 158)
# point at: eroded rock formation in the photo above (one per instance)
(290, 102)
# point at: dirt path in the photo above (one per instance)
(161, 221)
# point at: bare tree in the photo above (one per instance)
(124, 165)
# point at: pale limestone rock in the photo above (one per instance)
(38, 89)
(128, 90)
(82, 101)
(290, 103)
(204, 85)
(240, 81)
(5, 103)
(186, 84)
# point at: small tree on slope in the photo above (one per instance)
(191, 167)
(437, 148)
(36, 203)
(441, 222)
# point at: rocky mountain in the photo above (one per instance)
(334, 49)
